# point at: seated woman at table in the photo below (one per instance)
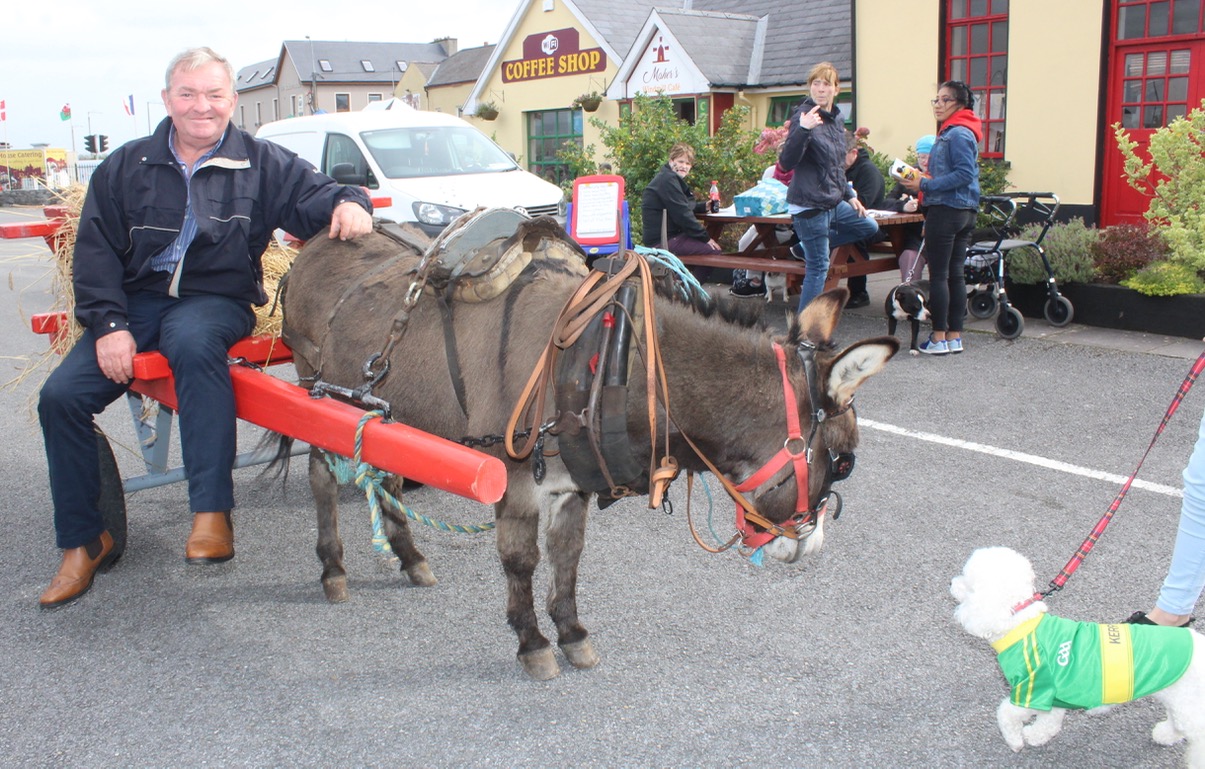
(669, 207)
(900, 200)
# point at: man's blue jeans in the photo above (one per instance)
(821, 232)
(194, 333)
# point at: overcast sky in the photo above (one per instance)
(93, 54)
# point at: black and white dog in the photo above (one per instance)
(910, 302)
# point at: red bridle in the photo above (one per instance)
(755, 529)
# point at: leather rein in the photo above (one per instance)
(753, 529)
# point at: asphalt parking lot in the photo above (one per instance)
(847, 659)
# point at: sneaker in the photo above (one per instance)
(1140, 618)
(797, 252)
(932, 347)
(858, 300)
(955, 345)
(745, 288)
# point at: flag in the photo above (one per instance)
(65, 113)
(3, 114)
(128, 104)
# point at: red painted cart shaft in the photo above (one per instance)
(329, 424)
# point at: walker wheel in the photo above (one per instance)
(1009, 323)
(1059, 311)
(983, 304)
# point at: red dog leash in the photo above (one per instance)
(1057, 583)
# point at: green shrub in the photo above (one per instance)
(1166, 279)
(1124, 249)
(1068, 248)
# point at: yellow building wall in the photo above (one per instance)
(514, 99)
(896, 71)
(1053, 91)
(411, 86)
(448, 99)
(1053, 86)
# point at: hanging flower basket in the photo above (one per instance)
(589, 102)
(487, 111)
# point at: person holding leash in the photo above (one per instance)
(1185, 578)
(167, 257)
(951, 201)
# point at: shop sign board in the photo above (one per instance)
(27, 168)
(665, 68)
(553, 54)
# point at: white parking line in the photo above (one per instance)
(1050, 464)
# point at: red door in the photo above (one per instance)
(1150, 85)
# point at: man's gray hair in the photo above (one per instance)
(195, 58)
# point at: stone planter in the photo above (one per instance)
(1108, 306)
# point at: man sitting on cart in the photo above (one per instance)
(167, 257)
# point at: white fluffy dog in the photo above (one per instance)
(1054, 664)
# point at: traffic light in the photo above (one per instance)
(90, 143)
(103, 145)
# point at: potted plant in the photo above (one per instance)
(487, 110)
(588, 102)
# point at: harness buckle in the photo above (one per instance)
(804, 450)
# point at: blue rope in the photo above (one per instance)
(690, 285)
(370, 480)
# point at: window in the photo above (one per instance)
(375, 97)
(781, 108)
(325, 65)
(276, 109)
(367, 65)
(547, 132)
(343, 102)
(977, 54)
(1154, 88)
(259, 113)
(1157, 18)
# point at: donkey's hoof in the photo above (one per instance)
(335, 589)
(420, 575)
(580, 654)
(540, 664)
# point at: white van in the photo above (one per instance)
(422, 167)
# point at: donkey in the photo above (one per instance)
(459, 367)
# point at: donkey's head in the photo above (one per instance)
(790, 492)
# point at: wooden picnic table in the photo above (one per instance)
(766, 254)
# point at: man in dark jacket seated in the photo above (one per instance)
(668, 208)
(167, 257)
(868, 182)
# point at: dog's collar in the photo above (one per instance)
(1017, 633)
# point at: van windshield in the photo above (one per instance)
(403, 153)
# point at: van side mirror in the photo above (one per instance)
(345, 173)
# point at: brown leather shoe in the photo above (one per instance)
(211, 540)
(77, 570)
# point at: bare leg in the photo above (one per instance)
(518, 521)
(330, 545)
(397, 530)
(565, 540)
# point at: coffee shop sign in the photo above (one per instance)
(553, 54)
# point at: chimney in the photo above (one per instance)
(449, 45)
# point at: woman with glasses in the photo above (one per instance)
(951, 202)
(824, 207)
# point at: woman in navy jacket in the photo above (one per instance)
(951, 201)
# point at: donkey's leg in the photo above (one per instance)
(564, 541)
(397, 530)
(330, 545)
(518, 520)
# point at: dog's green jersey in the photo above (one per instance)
(1056, 662)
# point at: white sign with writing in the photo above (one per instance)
(665, 68)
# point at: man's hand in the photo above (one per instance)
(349, 221)
(858, 207)
(115, 356)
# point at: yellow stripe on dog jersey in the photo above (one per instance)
(1116, 664)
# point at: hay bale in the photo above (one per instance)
(276, 262)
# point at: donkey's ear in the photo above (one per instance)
(819, 319)
(858, 363)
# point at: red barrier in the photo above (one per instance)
(276, 405)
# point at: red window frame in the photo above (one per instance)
(976, 48)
